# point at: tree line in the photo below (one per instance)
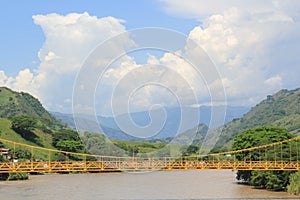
(271, 179)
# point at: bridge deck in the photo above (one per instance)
(145, 165)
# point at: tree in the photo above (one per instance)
(275, 180)
(259, 179)
(219, 149)
(93, 140)
(24, 125)
(259, 136)
(132, 150)
(68, 140)
(294, 186)
(65, 134)
(70, 145)
(191, 149)
(278, 180)
(22, 154)
(2, 159)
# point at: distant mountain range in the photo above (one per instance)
(170, 128)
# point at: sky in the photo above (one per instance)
(251, 47)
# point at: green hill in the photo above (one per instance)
(193, 136)
(6, 132)
(281, 109)
(19, 103)
(14, 103)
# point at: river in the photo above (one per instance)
(153, 185)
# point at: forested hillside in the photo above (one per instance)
(19, 103)
(281, 109)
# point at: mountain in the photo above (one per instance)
(66, 118)
(24, 119)
(14, 103)
(194, 136)
(172, 123)
(42, 138)
(281, 109)
(174, 113)
(19, 103)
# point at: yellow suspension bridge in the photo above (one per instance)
(283, 155)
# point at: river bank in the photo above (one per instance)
(151, 185)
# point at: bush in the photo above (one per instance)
(294, 186)
(17, 176)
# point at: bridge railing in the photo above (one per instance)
(282, 155)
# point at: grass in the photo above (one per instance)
(5, 95)
(7, 133)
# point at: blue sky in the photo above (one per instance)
(21, 39)
(253, 45)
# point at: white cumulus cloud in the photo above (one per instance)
(24, 80)
(68, 41)
(3, 77)
(248, 41)
(201, 9)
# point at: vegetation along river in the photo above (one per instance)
(151, 185)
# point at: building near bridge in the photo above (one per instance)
(4, 153)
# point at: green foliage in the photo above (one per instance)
(281, 109)
(294, 186)
(65, 134)
(195, 135)
(70, 145)
(258, 179)
(244, 175)
(68, 140)
(18, 176)
(130, 149)
(14, 104)
(220, 149)
(133, 150)
(22, 154)
(93, 141)
(190, 150)
(97, 144)
(259, 136)
(274, 180)
(277, 180)
(134, 147)
(23, 124)
(164, 152)
(6, 132)
(2, 159)
(60, 157)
